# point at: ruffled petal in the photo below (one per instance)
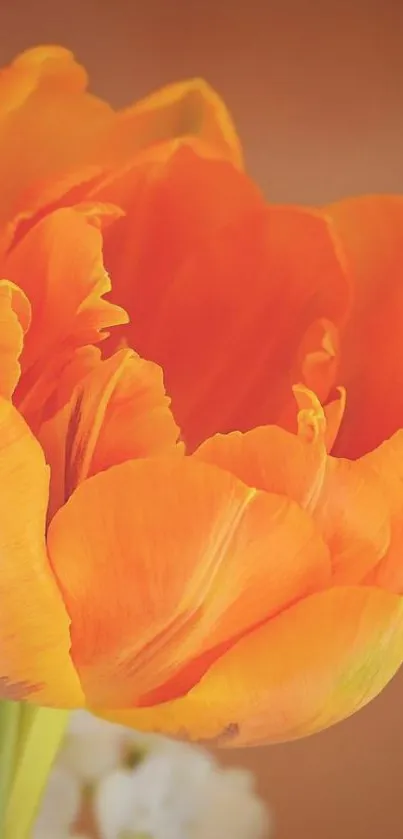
(191, 108)
(49, 123)
(119, 411)
(97, 139)
(226, 310)
(15, 316)
(174, 198)
(59, 267)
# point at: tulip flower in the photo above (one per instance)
(206, 568)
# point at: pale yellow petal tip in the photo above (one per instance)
(311, 416)
(52, 61)
(202, 98)
(317, 421)
(35, 56)
(191, 108)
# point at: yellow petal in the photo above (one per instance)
(310, 667)
(35, 659)
(15, 315)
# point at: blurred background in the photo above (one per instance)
(316, 89)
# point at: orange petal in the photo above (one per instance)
(386, 462)
(227, 324)
(59, 267)
(118, 411)
(271, 459)
(174, 198)
(34, 626)
(310, 667)
(96, 138)
(355, 519)
(185, 109)
(346, 499)
(49, 124)
(370, 230)
(154, 190)
(15, 315)
(334, 413)
(190, 111)
(208, 557)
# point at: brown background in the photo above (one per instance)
(316, 88)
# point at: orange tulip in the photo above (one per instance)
(247, 588)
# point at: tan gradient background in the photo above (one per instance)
(316, 88)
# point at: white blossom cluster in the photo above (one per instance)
(146, 787)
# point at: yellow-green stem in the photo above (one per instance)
(44, 731)
(9, 728)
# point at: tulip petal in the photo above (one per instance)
(119, 411)
(355, 518)
(274, 460)
(174, 198)
(34, 627)
(228, 325)
(96, 138)
(386, 462)
(49, 124)
(208, 559)
(59, 267)
(185, 109)
(310, 667)
(15, 315)
(347, 500)
(370, 230)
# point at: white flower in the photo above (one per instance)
(232, 808)
(179, 792)
(60, 806)
(92, 747)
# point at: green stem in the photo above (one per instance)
(9, 729)
(27, 716)
(44, 731)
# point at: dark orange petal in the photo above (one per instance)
(119, 411)
(370, 230)
(334, 413)
(198, 558)
(34, 627)
(156, 190)
(59, 267)
(228, 324)
(174, 198)
(49, 124)
(310, 667)
(15, 315)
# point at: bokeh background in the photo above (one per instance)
(316, 88)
